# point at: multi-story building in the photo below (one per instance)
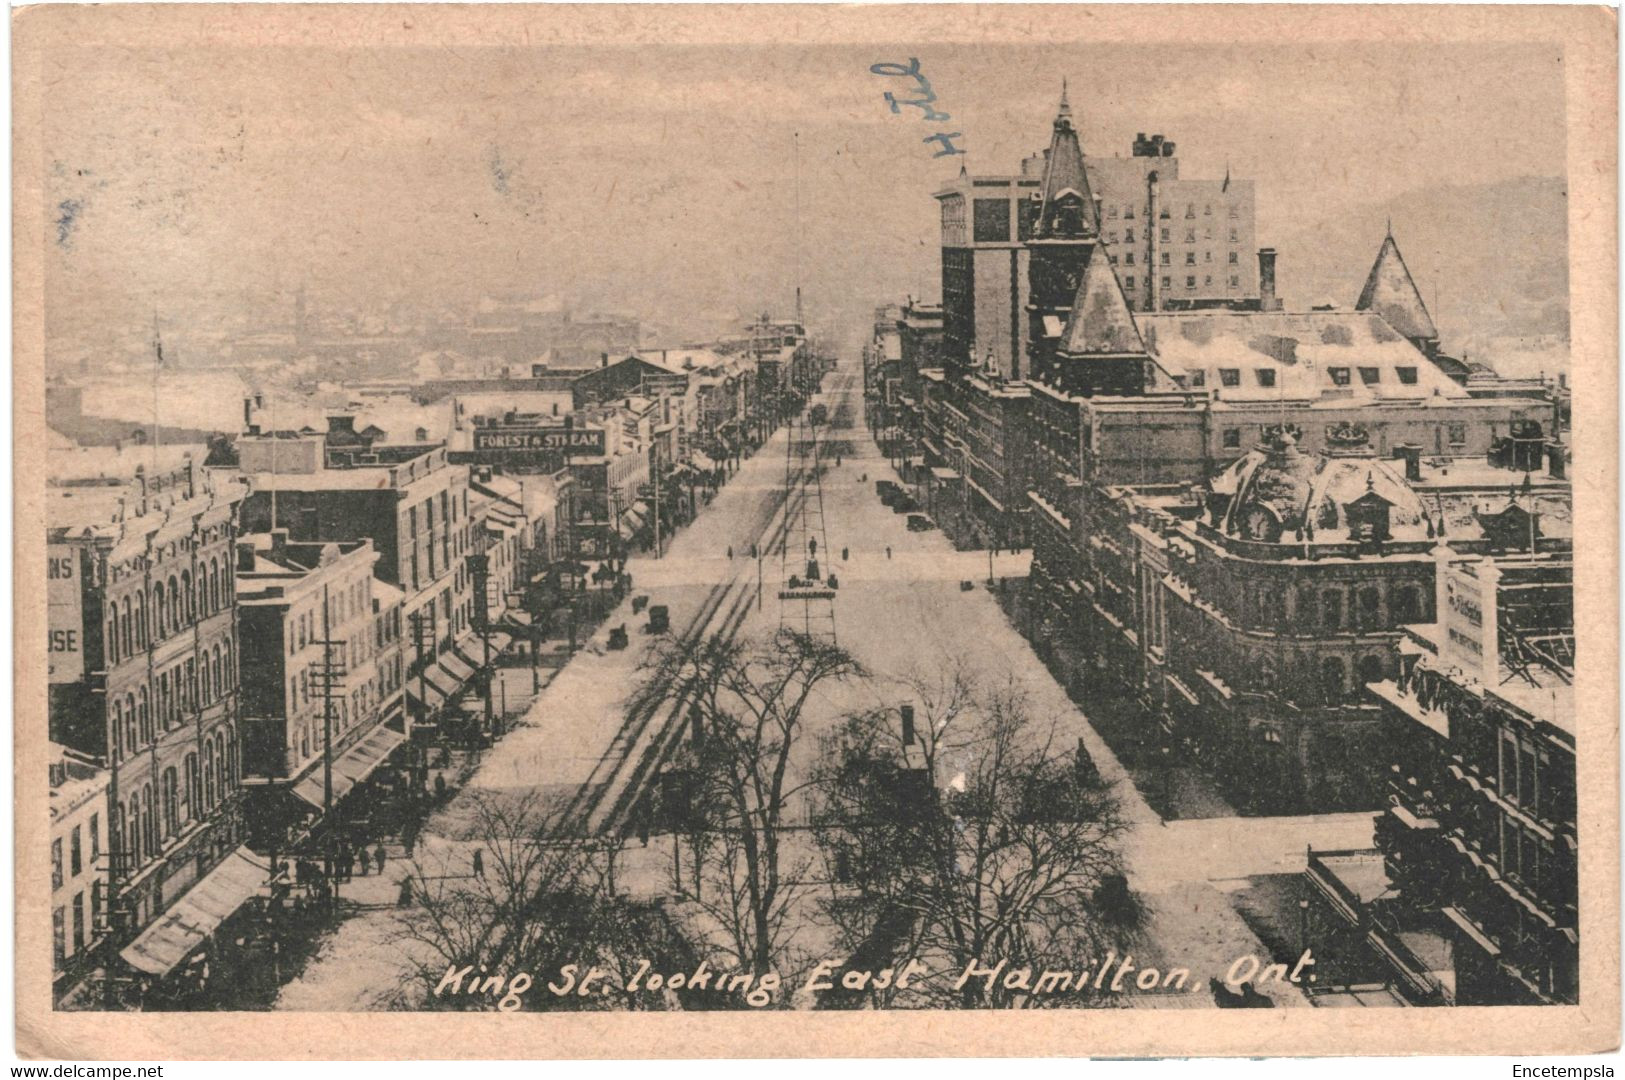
(78, 871)
(1249, 614)
(1175, 243)
(143, 680)
(1476, 898)
(322, 701)
(407, 499)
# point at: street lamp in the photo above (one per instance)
(1303, 925)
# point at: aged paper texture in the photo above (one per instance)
(815, 531)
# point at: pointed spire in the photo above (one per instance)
(1101, 323)
(1391, 292)
(1067, 208)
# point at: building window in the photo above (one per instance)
(1457, 434)
(1190, 258)
(1165, 234)
(991, 223)
(1229, 376)
(1128, 236)
(1331, 609)
(1266, 376)
(1370, 375)
(1235, 281)
(79, 922)
(95, 837)
(1407, 375)
(1331, 678)
(1233, 237)
(1167, 282)
(1232, 438)
(1113, 258)
(1129, 258)
(1233, 260)
(1340, 375)
(1190, 281)
(1128, 282)
(1199, 377)
(1207, 280)
(1128, 213)
(1190, 210)
(76, 853)
(56, 863)
(1111, 212)
(1190, 236)
(1207, 256)
(59, 948)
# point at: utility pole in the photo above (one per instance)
(329, 679)
(479, 570)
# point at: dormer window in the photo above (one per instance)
(1340, 375)
(1229, 376)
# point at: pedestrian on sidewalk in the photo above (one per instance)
(479, 863)
(349, 864)
(366, 863)
(730, 551)
(378, 857)
(409, 840)
(888, 551)
(845, 552)
(405, 897)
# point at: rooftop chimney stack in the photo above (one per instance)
(1267, 300)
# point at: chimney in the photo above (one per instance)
(908, 725)
(1267, 300)
(1412, 455)
(245, 556)
(603, 359)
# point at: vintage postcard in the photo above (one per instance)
(859, 530)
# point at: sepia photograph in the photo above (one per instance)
(890, 514)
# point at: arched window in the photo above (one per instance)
(132, 731)
(112, 638)
(120, 747)
(188, 601)
(1331, 609)
(144, 714)
(172, 810)
(1370, 670)
(115, 829)
(1406, 605)
(177, 605)
(208, 781)
(230, 765)
(219, 672)
(149, 823)
(1331, 678)
(160, 625)
(141, 620)
(229, 666)
(1370, 606)
(1306, 606)
(208, 684)
(191, 787)
(133, 839)
(126, 635)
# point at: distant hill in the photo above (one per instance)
(1491, 261)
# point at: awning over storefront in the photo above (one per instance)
(442, 680)
(351, 767)
(417, 691)
(457, 666)
(196, 915)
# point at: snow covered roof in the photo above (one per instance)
(1390, 292)
(1100, 321)
(1273, 356)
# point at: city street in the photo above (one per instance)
(595, 736)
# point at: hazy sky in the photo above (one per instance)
(661, 181)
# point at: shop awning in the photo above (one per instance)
(351, 767)
(196, 915)
(442, 680)
(459, 668)
(417, 691)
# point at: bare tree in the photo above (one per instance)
(975, 836)
(513, 894)
(747, 702)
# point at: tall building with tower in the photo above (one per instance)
(1176, 243)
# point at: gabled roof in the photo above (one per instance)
(1101, 322)
(1064, 173)
(1390, 292)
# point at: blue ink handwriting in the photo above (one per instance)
(925, 102)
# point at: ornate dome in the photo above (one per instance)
(1282, 495)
